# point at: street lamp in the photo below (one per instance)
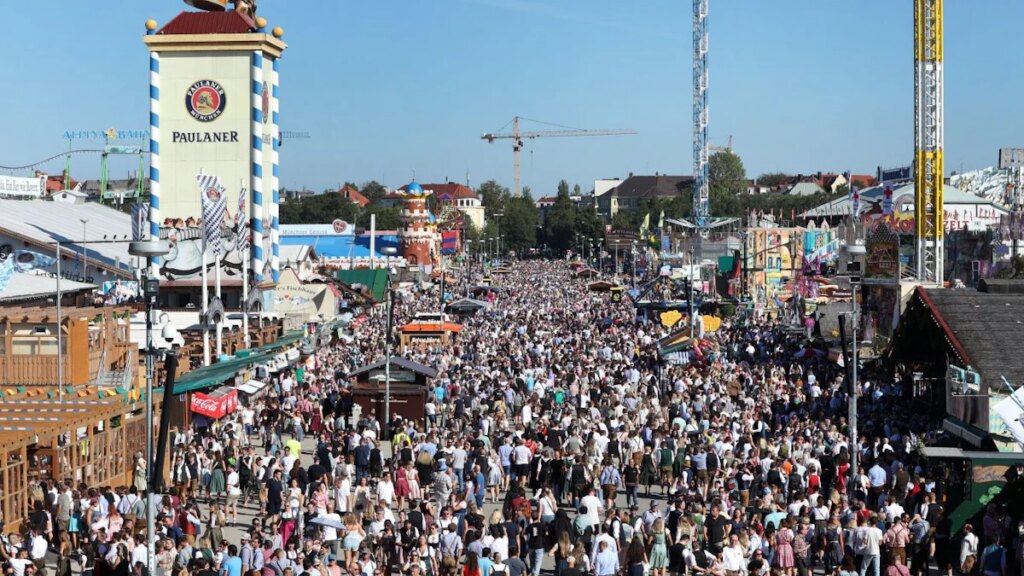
(388, 251)
(855, 249)
(689, 296)
(85, 256)
(634, 263)
(469, 264)
(150, 249)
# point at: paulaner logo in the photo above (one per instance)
(205, 100)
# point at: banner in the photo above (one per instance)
(22, 188)
(216, 405)
(241, 228)
(887, 207)
(449, 242)
(1010, 411)
(140, 216)
(214, 205)
(22, 261)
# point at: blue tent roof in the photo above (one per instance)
(343, 246)
(414, 188)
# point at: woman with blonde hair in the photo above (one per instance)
(561, 551)
(658, 542)
(215, 523)
(354, 536)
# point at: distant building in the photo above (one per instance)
(634, 191)
(296, 194)
(805, 189)
(454, 195)
(117, 189)
(544, 205)
(352, 195)
(70, 196)
(391, 200)
(863, 180)
(754, 188)
(602, 187)
(460, 197)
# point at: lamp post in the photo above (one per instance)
(634, 263)
(855, 249)
(150, 249)
(389, 251)
(497, 231)
(469, 264)
(85, 256)
(689, 296)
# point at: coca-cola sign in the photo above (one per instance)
(215, 405)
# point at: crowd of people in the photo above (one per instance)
(554, 439)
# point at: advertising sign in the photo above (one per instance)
(900, 174)
(215, 405)
(336, 228)
(19, 188)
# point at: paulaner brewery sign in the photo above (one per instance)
(202, 137)
(205, 100)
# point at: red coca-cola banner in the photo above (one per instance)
(216, 405)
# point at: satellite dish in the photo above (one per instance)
(209, 5)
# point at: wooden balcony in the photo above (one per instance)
(31, 370)
(94, 341)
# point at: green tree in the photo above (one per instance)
(493, 195)
(318, 209)
(560, 224)
(626, 220)
(519, 224)
(727, 180)
(387, 218)
(373, 191)
(772, 179)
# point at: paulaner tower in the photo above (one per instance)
(214, 108)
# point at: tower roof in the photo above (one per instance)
(413, 188)
(230, 22)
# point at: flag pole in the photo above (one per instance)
(206, 290)
(220, 338)
(245, 267)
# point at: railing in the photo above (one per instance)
(31, 369)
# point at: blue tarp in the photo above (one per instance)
(339, 246)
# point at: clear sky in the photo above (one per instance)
(389, 88)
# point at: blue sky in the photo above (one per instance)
(390, 88)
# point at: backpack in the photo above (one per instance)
(712, 460)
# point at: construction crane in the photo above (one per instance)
(928, 140)
(517, 138)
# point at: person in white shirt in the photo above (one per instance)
(18, 564)
(139, 551)
(732, 557)
(968, 549)
(38, 548)
(331, 532)
(594, 506)
(871, 539)
(342, 493)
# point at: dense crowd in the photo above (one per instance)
(553, 439)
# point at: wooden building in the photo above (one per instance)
(420, 334)
(95, 340)
(82, 439)
(409, 388)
